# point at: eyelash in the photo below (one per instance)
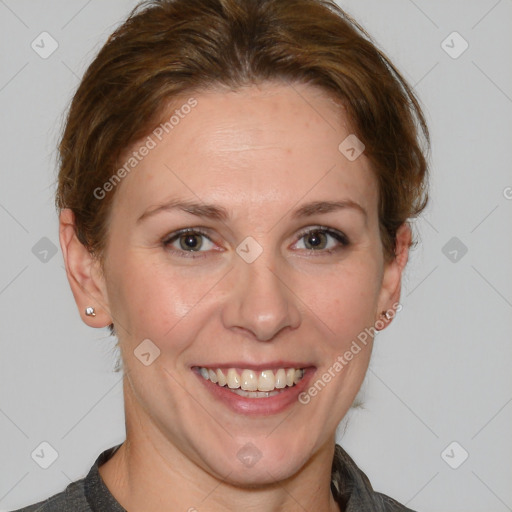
(340, 237)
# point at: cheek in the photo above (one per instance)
(154, 300)
(343, 300)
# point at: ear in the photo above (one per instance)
(84, 273)
(392, 278)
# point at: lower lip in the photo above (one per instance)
(259, 406)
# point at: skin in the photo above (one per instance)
(260, 153)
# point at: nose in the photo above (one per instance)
(261, 302)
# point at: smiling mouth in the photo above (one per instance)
(251, 383)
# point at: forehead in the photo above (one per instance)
(255, 147)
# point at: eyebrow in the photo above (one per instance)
(209, 211)
(214, 212)
(319, 207)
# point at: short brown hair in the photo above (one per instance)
(169, 48)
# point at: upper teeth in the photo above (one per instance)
(251, 380)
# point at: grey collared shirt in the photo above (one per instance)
(350, 486)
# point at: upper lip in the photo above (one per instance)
(256, 367)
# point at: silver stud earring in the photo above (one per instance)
(386, 315)
(89, 311)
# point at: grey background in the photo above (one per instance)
(439, 374)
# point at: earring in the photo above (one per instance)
(89, 311)
(386, 315)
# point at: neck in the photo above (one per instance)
(150, 474)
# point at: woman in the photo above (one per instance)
(235, 184)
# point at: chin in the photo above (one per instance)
(265, 472)
(259, 462)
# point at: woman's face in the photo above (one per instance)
(282, 267)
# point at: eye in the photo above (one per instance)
(321, 239)
(188, 241)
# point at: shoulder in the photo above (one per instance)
(88, 494)
(72, 499)
(391, 505)
(352, 488)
